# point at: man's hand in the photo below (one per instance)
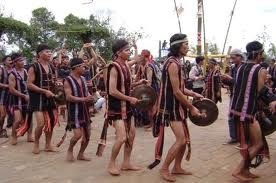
(143, 81)
(49, 94)
(198, 96)
(225, 77)
(272, 106)
(133, 100)
(88, 98)
(87, 45)
(195, 112)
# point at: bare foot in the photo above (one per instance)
(13, 141)
(130, 168)
(166, 175)
(241, 177)
(83, 158)
(30, 139)
(251, 175)
(181, 171)
(36, 149)
(50, 149)
(113, 170)
(70, 156)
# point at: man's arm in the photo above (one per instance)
(30, 82)
(12, 84)
(173, 74)
(69, 96)
(149, 74)
(113, 86)
(261, 79)
(1, 84)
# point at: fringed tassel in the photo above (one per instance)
(158, 148)
(56, 118)
(25, 127)
(187, 135)
(102, 143)
(62, 139)
(47, 120)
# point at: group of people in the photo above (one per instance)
(27, 93)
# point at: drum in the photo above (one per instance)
(146, 95)
(209, 112)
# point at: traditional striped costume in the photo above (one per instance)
(18, 103)
(4, 92)
(117, 109)
(140, 117)
(155, 81)
(78, 112)
(244, 108)
(169, 109)
(213, 86)
(39, 102)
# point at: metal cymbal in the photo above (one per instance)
(209, 112)
(146, 95)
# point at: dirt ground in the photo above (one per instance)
(211, 161)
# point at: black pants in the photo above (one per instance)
(198, 90)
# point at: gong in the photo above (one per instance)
(209, 111)
(146, 96)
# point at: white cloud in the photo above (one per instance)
(158, 18)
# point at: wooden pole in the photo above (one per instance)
(199, 26)
(179, 25)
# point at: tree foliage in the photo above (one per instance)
(71, 34)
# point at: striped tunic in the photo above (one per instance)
(155, 80)
(38, 101)
(18, 103)
(245, 94)
(213, 86)
(77, 111)
(170, 108)
(116, 108)
(4, 92)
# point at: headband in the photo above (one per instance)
(185, 40)
(19, 59)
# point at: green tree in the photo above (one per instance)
(43, 25)
(271, 52)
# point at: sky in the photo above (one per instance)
(158, 18)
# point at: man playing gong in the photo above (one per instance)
(171, 109)
(118, 106)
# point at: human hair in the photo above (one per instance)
(5, 58)
(198, 59)
(42, 47)
(14, 56)
(174, 49)
(253, 49)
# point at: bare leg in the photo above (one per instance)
(2, 119)
(38, 131)
(173, 151)
(84, 144)
(16, 122)
(120, 140)
(177, 169)
(73, 141)
(48, 144)
(30, 133)
(256, 143)
(126, 165)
